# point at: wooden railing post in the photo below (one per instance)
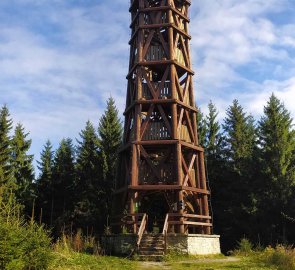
(165, 231)
(141, 230)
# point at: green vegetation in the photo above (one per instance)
(250, 165)
(23, 245)
(69, 260)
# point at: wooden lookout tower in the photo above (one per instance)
(161, 183)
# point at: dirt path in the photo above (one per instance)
(166, 265)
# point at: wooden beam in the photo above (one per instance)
(150, 163)
(190, 223)
(168, 187)
(190, 216)
(195, 147)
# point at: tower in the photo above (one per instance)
(161, 172)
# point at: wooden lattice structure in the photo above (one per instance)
(161, 157)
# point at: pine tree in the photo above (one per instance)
(88, 188)
(277, 147)
(44, 185)
(110, 139)
(63, 179)
(23, 168)
(6, 171)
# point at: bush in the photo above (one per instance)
(22, 245)
(281, 256)
(244, 248)
(78, 243)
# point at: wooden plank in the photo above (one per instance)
(134, 167)
(186, 87)
(178, 164)
(198, 190)
(190, 127)
(190, 223)
(145, 123)
(192, 146)
(164, 44)
(156, 142)
(168, 126)
(180, 31)
(188, 171)
(147, 44)
(190, 216)
(184, 183)
(168, 187)
(158, 63)
(179, 88)
(185, 52)
(164, 78)
(148, 160)
(180, 121)
(151, 87)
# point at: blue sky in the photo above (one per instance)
(61, 59)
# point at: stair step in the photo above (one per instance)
(151, 239)
(151, 252)
(151, 248)
(147, 241)
(155, 258)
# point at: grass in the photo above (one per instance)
(70, 253)
(78, 261)
(244, 263)
(82, 261)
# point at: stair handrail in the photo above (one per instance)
(165, 230)
(141, 229)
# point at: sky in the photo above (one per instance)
(60, 60)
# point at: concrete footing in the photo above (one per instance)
(192, 244)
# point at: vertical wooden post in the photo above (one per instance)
(204, 186)
(180, 211)
(180, 183)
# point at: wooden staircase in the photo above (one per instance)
(152, 247)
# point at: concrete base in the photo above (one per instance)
(192, 244)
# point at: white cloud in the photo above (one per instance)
(60, 61)
(238, 51)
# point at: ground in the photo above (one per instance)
(77, 261)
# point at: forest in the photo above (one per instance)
(250, 168)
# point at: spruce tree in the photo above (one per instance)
(110, 139)
(44, 185)
(215, 164)
(202, 128)
(23, 167)
(239, 174)
(6, 171)
(277, 147)
(63, 179)
(88, 185)
(240, 137)
(213, 139)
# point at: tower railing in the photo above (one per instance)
(165, 232)
(141, 229)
